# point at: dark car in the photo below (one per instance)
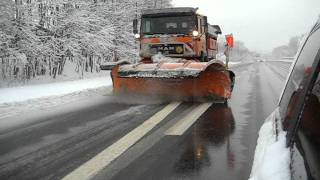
(299, 110)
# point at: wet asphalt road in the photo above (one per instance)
(219, 145)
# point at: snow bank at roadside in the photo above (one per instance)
(23, 93)
(68, 74)
(272, 158)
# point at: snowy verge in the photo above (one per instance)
(231, 64)
(272, 157)
(23, 93)
(19, 113)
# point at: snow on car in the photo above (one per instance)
(289, 141)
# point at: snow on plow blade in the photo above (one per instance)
(187, 80)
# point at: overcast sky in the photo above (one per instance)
(260, 24)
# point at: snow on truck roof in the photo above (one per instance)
(188, 10)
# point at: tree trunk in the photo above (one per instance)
(91, 63)
(50, 66)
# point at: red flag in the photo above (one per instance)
(229, 39)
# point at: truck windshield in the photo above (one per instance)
(168, 25)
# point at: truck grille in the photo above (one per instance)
(167, 49)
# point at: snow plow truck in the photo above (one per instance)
(178, 49)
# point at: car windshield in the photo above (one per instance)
(168, 25)
(159, 89)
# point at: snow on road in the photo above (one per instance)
(23, 93)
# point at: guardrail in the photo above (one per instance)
(282, 60)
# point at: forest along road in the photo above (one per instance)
(99, 137)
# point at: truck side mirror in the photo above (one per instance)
(205, 21)
(217, 28)
(205, 24)
(135, 26)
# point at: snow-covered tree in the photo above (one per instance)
(38, 36)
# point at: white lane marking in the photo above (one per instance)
(181, 126)
(93, 166)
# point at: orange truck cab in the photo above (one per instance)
(189, 74)
(177, 32)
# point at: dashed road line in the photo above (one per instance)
(185, 123)
(104, 158)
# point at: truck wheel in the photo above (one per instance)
(203, 58)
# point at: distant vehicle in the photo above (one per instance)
(187, 43)
(299, 110)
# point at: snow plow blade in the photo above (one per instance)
(188, 80)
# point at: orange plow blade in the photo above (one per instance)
(187, 80)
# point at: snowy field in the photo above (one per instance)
(23, 93)
(23, 99)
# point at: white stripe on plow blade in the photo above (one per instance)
(93, 166)
(186, 122)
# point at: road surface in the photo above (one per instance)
(99, 137)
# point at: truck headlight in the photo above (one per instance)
(195, 33)
(137, 36)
